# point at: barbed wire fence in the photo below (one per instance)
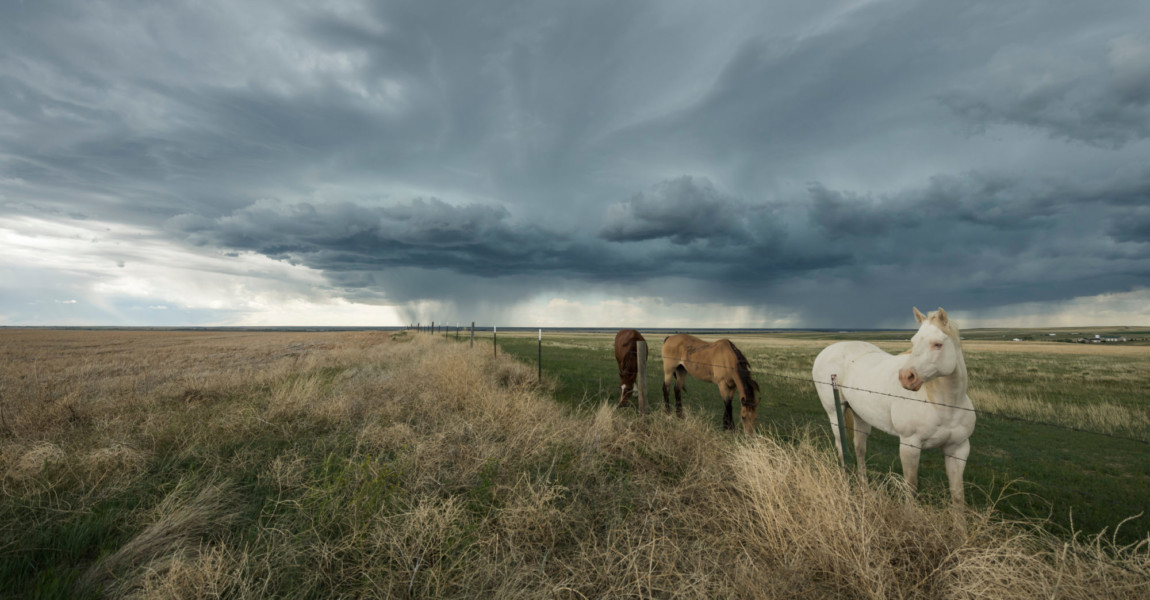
(447, 328)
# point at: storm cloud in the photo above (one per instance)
(1098, 98)
(815, 164)
(681, 210)
(423, 233)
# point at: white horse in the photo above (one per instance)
(919, 396)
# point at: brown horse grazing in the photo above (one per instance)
(718, 362)
(628, 358)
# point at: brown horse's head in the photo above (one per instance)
(749, 412)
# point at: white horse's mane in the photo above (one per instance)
(948, 327)
(943, 322)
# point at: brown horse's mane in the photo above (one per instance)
(749, 385)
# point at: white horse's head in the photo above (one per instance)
(934, 350)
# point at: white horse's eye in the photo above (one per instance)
(936, 345)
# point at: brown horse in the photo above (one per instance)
(628, 359)
(718, 362)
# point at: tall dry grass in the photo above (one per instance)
(1100, 416)
(347, 465)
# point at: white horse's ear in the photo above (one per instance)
(942, 318)
(918, 316)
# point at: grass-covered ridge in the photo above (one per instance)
(354, 464)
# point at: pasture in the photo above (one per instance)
(369, 464)
(1072, 480)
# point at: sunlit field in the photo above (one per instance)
(371, 464)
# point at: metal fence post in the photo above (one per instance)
(473, 334)
(641, 376)
(842, 423)
(494, 340)
(540, 356)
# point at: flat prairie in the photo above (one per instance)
(156, 464)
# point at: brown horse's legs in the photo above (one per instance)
(728, 394)
(666, 399)
(679, 395)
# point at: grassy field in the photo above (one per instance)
(1081, 481)
(366, 464)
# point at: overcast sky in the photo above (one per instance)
(557, 163)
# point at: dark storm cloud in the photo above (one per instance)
(792, 155)
(995, 202)
(1132, 226)
(682, 210)
(360, 247)
(981, 241)
(425, 233)
(1102, 100)
(978, 240)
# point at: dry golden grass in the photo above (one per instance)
(1100, 416)
(1058, 348)
(181, 520)
(351, 465)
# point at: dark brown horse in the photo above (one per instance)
(628, 359)
(718, 362)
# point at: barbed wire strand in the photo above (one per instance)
(901, 397)
(920, 400)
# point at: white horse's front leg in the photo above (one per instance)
(955, 457)
(910, 455)
(861, 433)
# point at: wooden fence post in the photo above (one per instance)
(641, 376)
(842, 423)
(473, 334)
(494, 340)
